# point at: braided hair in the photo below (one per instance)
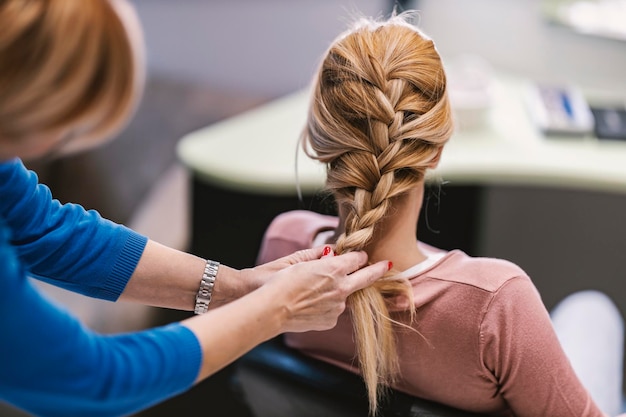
(378, 118)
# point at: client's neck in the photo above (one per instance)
(395, 237)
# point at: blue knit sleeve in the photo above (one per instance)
(65, 244)
(51, 365)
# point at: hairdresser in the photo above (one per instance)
(71, 74)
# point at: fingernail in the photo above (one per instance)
(326, 251)
(389, 265)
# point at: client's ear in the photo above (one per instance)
(435, 161)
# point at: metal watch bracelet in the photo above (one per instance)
(203, 298)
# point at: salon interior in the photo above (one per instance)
(536, 172)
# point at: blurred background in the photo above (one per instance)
(212, 59)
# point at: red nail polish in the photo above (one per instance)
(389, 266)
(326, 251)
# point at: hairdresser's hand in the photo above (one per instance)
(264, 272)
(253, 278)
(313, 291)
(232, 284)
(305, 293)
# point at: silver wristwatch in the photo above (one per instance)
(203, 298)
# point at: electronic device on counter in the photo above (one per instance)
(610, 123)
(560, 110)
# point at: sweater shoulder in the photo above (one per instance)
(488, 274)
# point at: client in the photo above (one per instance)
(471, 333)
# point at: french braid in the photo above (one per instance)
(378, 118)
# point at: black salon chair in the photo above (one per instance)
(278, 381)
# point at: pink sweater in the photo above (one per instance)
(484, 340)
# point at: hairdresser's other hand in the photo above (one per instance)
(313, 291)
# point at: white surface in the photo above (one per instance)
(255, 151)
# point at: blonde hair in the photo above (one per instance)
(65, 65)
(378, 118)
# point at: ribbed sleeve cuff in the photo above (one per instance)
(124, 266)
(170, 369)
(190, 361)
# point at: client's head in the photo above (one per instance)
(379, 118)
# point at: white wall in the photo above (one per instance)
(513, 36)
(265, 47)
(271, 47)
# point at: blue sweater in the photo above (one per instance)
(50, 364)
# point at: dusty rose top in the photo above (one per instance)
(485, 341)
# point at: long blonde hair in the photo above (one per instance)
(65, 64)
(378, 118)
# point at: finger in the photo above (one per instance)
(367, 276)
(306, 255)
(349, 262)
(328, 252)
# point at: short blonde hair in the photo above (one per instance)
(65, 65)
(379, 117)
